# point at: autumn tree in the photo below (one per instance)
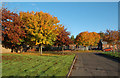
(41, 28)
(111, 37)
(72, 38)
(12, 30)
(63, 37)
(0, 26)
(87, 39)
(96, 38)
(102, 34)
(83, 39)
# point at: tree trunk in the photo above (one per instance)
(117, 48)
(58, 48)
(12, 49)
(40, 49)
(86, 47)
(62, 48)
(16, 50)
(90, 48)
(113, 48)
(30, 48)
(21, 48)
(109, 45)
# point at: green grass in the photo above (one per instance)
(32, 65)
(114, 54)
(53, 52)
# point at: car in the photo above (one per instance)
(108, 49)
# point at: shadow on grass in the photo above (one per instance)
(52, 52)
(116, 59)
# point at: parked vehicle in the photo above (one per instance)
(108, 49)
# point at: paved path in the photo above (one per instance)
(92, 64)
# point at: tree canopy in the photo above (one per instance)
(87, 39)
(102, 34)
(111, 36)
(12, 29)
(63, 37)
(72, 38)
(41, 28)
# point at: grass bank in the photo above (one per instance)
(112, 54)
(36, 65)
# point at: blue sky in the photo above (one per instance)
(60, 0)
(76, 16)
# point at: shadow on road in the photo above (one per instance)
(108, 57)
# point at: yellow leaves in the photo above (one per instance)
(32, 39)
(86, 38)
(32, 33)
(32, 12)
(36, 43)
(30, 30)
(30, 25)
(43, 42)
(41, 31)
(42, 26)
(47, 42)
(41, 37)
(42, 22)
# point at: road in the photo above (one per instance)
(93, 64)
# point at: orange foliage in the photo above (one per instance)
(111, 36)
(41, 26)
(87, 39)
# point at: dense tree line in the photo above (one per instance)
(31, 28)
(39, 28)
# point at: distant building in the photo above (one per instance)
(4, 50)
(104, 44)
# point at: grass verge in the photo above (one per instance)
(113, 54)
(32, 65)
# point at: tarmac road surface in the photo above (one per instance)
(93, 64)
